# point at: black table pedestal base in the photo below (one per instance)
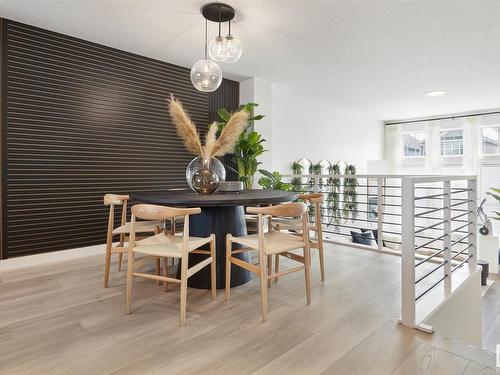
(220, 221)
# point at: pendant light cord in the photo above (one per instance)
(206, 33)
(219, 20)
(229, 27)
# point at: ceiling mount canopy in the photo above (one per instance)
(206, 75)
(218, 12)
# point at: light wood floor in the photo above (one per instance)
(59, 319)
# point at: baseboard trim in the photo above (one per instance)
(52, 257)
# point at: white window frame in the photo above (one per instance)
(463, 143)
(418, 157)
(496, 154)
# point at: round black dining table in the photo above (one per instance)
(221, 213)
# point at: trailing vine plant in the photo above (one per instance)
(316, 169)
(297, 169)
(333, 195)
(350, 201)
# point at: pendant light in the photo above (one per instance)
(234, 47)
(217, 47)
(206, 74)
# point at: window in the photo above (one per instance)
(452, 142)
(414, 144)
(491, 140)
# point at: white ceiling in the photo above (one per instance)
(375, 56)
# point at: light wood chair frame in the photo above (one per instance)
(113, 200)
(264, 268)
(315, 242)
(154, 212)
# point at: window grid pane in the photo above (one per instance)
(452, 142)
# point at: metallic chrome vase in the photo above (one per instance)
(205, 181)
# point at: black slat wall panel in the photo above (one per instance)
(80, 120)
(226, 97)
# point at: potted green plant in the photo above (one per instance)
(249, 145)
(496, 195)
(273, 181)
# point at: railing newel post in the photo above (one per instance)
(380, 214)
(408, 251)
(447, 236)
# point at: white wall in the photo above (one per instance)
(314, 127)
(256, 90)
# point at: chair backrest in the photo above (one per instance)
(282, 210)
(316, 199)
(294, 210)
(156, 212)
(113, 200)
(312, 197)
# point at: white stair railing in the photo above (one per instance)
(433, 219)
(453, 206)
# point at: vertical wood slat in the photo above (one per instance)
(80, 120)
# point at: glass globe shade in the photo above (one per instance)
(234, 48)
(206, 75)
(217, 48)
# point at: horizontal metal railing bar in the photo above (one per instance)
(390, 214)
(426, 179)
(461, 263)
(460, 252)
(368, 212)
(431, 226)
(418, 179)
(429, 218)
(339, 217)
(430, 211)
(340, 233)
(431, 196)
(428, 238)
(460, 203)
(430, 272)
(346, 226)
(361, 194)
(456, 217)
(390, 205)
(389, 241)
(430, 257)
(390, 232)
(430, 288)
(463, 226)
(459, 241)
(431, 241)
(453, 199)
(459, 190)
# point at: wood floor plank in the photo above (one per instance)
(321, 351)
(474, 368)
(58, 319)
(371, 357)
(429, 360)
